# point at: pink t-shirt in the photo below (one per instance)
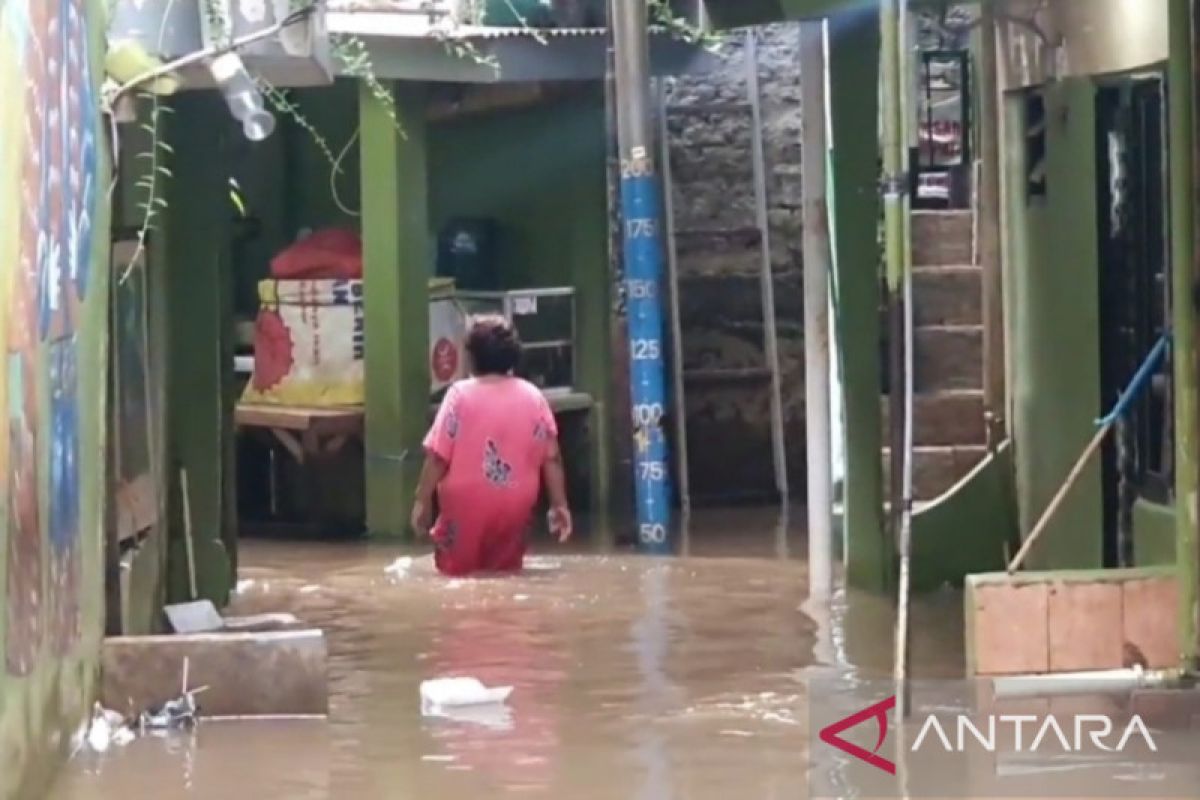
(495, 434)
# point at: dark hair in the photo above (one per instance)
(493, 345)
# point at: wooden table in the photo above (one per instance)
(306, 432)
(315, 436)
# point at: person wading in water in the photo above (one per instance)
(492, 446)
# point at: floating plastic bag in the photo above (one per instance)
(449, 693)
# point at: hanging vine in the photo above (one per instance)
(353, 59)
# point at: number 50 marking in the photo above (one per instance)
(653, 533)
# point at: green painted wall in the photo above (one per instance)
(395, 168)
(854, 83)
(971, 530)
(1056, 386)
(538, 172)
(1153, 534)
(196, 267)
(51, 609)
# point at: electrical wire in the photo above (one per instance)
(336, 169)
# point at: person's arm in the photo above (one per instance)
(439, 449)
(555, 479)
(432, 472)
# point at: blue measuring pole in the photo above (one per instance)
(642, 230)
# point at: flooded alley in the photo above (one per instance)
(634, 677)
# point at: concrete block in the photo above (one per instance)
(936, 469)
(942, 237)
(947, 357)
(1150, 614)
(1008, 629)
(951, 295)
(946, 418)
(248, 674)
(1084, 626)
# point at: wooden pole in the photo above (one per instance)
(1059, 496)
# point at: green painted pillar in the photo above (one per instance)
(854, 109)
(199, 365)
(1181, 88)
(592, 303)
(396, 253)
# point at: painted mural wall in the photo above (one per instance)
(53, 287)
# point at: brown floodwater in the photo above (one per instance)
(634, 677)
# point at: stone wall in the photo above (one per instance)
(710, 129)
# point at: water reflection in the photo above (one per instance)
(633, 677)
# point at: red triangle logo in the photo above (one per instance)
(878, 712)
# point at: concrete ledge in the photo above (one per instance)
(280, 673)
(1069, 621)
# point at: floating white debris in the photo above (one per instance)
(243, 586)
(442, 693)
(467, 700)
(400, 567)
(105, 729)
(312, 587)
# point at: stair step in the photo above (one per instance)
(936, 469)
(942, 237)
(948, 295)
(727, 375)
(945, 418)
(947, 357)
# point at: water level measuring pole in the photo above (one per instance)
(641, 218)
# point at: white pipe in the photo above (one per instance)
(678, 399)
(1068, 683)
(816, 310)
(771, 336)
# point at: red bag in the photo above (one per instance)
(327, 254)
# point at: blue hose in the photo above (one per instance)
(1140, 380)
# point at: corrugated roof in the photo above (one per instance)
(362, 21)
(438, 7)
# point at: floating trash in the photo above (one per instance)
(400, 567)
(105, 729)
(442, 693)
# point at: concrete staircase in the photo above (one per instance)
(949, 437)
